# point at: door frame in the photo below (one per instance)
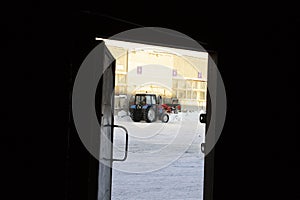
(93, 184)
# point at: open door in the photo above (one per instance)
(106, 124)
(92, 106)
(93, 114)
(105, 114)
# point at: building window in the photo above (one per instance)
(189, 84)
(194, 85)
(201, 96)
(194, 95)
(121, 79)
(181, 84)
(188, 94)
(120, 90)
(174, 93)
(181, 94)
(175, 83)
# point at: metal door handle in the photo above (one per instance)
(203, 147)
(126, 143)
(202, 118)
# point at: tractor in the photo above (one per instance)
(172, 105)
(147, 107)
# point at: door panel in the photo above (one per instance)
(106, 124)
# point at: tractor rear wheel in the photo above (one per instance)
(150, 115)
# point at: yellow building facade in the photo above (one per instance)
(161, 71)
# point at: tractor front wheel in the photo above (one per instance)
(165, 118)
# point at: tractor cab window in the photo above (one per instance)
(140, 100)
(148, 100)
(137, 99)
(143, 100)
(153, 99)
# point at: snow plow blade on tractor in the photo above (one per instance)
(148, 107)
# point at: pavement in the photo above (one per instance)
(164, 159)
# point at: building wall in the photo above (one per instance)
(149, 68)
(164, 73)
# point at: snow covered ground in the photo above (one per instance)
(164, 159)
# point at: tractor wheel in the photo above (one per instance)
(165, 118)
(136, 117)
(150, 115)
